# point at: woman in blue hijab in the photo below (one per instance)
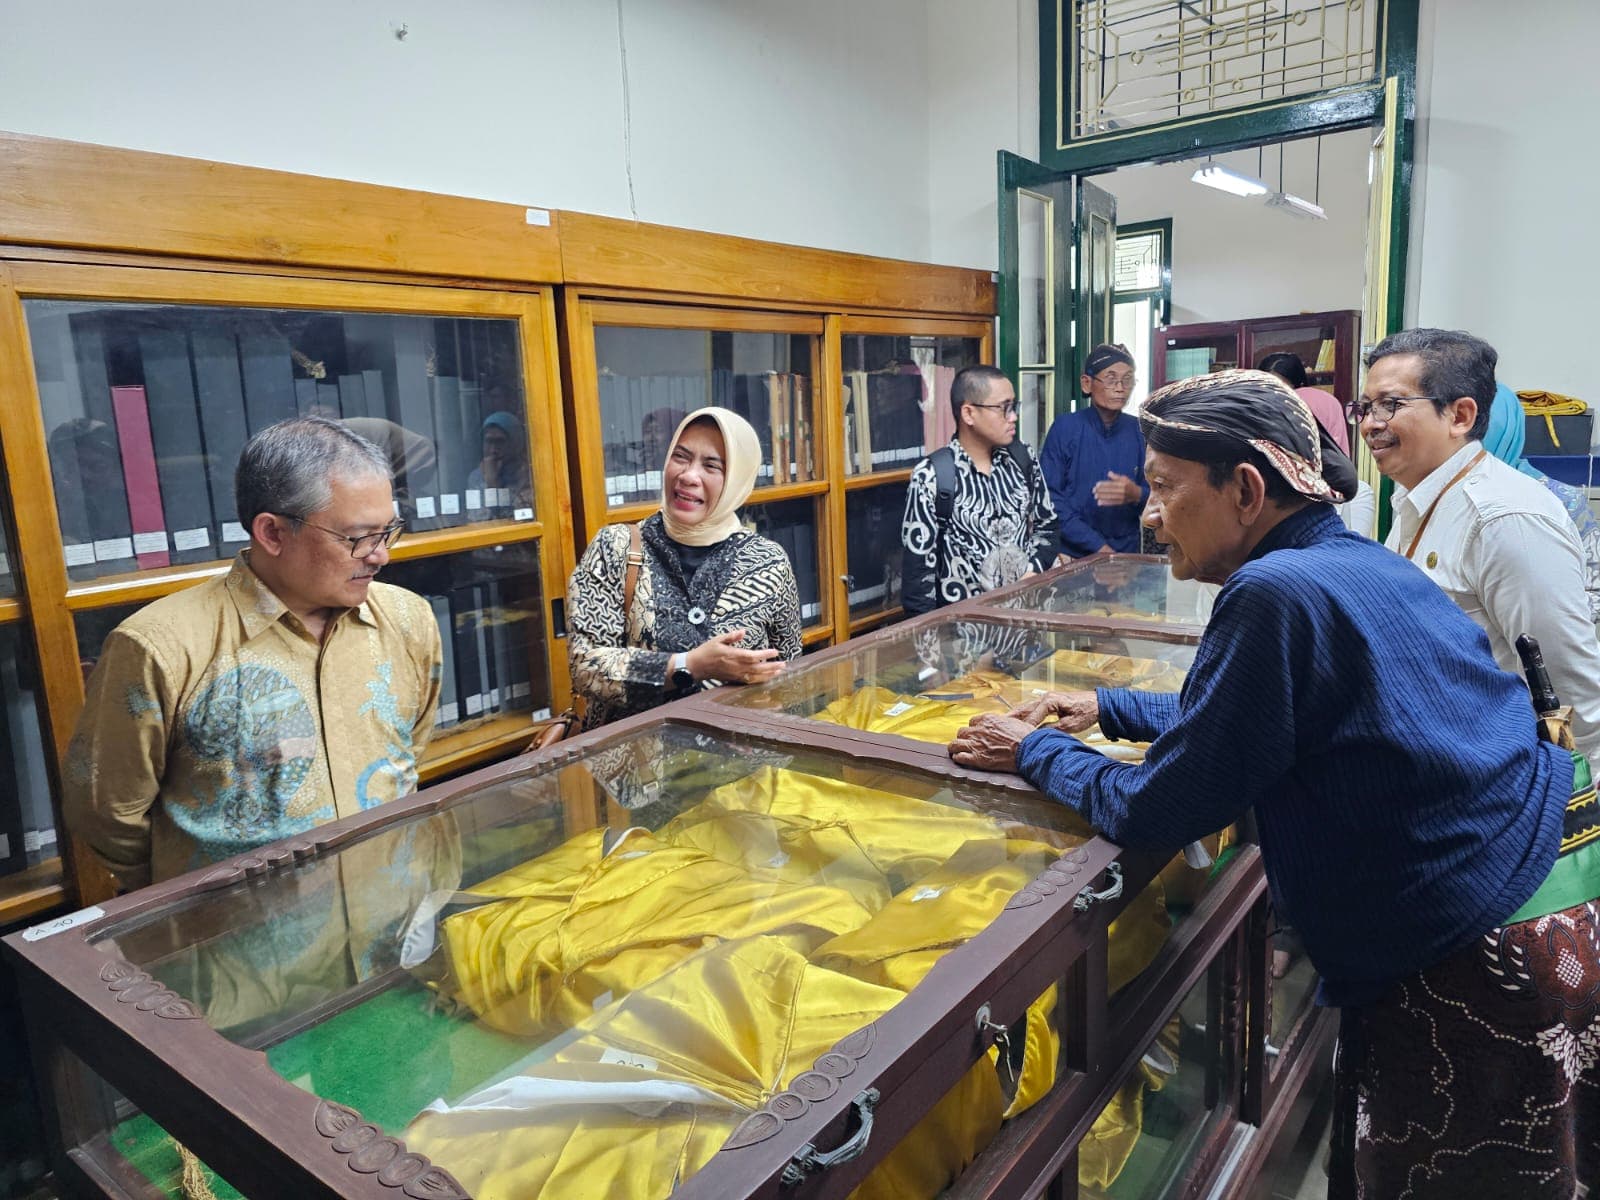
(1504, 439)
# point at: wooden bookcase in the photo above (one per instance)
(1245, 343)
(98, 229)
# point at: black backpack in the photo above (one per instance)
(943, 462)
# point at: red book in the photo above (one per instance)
(145, 513)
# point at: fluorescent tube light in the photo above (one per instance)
(1296, 207)
(1226, 179)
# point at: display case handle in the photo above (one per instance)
(1089, 897)
(811, 1161)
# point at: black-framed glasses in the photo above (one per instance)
(362, 545)
(1383, 408)
(1009, 408)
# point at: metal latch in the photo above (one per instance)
(1089, 897)
(811, 1161)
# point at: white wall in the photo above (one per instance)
(1233, 257)
(804, 123)
(1507, 233)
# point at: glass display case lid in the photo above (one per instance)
(609, 961)
(925, 682)
(1119, 589)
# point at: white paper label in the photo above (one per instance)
(519, 691)
(492, 700)
(894, 710)
(426, 508)
(150, 543)
(542, 714)
(780, 859)
(502, 497)
(474, 499)
(653, 481)
(474, 705)
(449, 504)
(61, 924)
(37, 839)
(927, 893)
(451, 713)
(232, 531)
(538, 216)
(623, 1058)
(112, 549)
(191, 539)
(523, 514)
(616, 501)
(79, 555)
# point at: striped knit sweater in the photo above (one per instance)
(1404, 804)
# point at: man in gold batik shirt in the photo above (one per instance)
(289, 692)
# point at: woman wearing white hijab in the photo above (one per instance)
(711, 603)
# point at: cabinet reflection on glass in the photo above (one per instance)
(650, 379)
(27, 826)
(896, 393)
(146, 407)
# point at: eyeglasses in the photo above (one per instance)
(1115, 383)
(1382, 409)
(365, 544)
(1008, 407)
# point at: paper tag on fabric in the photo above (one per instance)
(894, 710)
(623, 1058)
(926, 893)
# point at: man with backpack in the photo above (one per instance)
(978, 514)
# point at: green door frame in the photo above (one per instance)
(1327, 112)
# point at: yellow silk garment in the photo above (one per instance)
(735, 1023)
(579, 926)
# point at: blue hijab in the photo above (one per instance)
(1507, 433)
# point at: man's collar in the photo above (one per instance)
(1426, 492)
(1311, 523)
(259, 607)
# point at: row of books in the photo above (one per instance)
(873, 542)
(143, 446)
(640, 413)
(488, 654)
(27, 827)
(886, 423)
(790, 525)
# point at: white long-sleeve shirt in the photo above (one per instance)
(1503, 548)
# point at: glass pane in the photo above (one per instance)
(1034, 399)
(793, 525)
(650, 379)
(8, 582)
(1122, 589)
(1034, 299)
(1315, 344)
(1293, 983)
(1138, 261)
(1187, 356)
(1147, 1140)
(927, 683)
(146, 407)
(872, 520)
(670, 927)
(489, 606)
(27, 825)
(896, 393)
(1133, 324)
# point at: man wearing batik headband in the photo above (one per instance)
(1093, 461)
(1413, 828)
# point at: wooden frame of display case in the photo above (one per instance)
(261, 1131)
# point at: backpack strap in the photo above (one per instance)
(630, 581)
(943, 462)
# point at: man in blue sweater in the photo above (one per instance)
(1093, 461)
(1413, 829)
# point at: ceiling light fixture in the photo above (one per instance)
(1295, 206)
(1225, 179)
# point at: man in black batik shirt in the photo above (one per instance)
(978, 514)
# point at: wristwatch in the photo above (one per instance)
(681, 679)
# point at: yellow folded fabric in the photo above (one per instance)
(651, 1087)
(578, 927)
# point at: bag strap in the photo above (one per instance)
(943, 461)
(630, 581)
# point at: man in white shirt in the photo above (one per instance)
(1498, 543)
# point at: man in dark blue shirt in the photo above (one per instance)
(1093, 461)
(1409, 818)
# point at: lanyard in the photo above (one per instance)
(1428, 516)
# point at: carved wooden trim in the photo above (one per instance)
(1062, 873)
(370, 1151)
(132, 986)
(805, 1089)
(259, 862)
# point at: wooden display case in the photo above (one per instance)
(1329, 343)
(136, 1049)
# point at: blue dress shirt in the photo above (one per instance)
(1078, 452)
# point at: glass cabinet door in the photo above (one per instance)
(895, 394)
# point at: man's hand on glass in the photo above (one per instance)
(1073, 711)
